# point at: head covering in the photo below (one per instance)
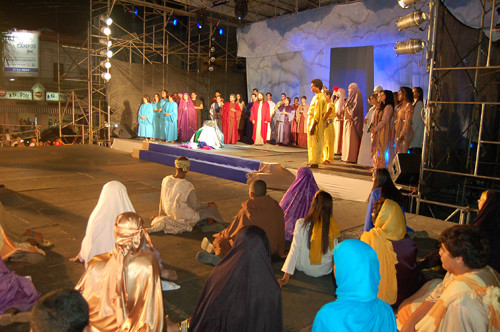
(339, 104)
(315, 252)
(335, 88)
(357, 307)
(355, 105)
(389, 226)
(378, 88)
(241, 293)
(297, 199)
(99, 236)
(182, 164)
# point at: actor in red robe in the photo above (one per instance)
(231, 114)
(260, 117)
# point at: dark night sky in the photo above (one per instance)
(64, 16)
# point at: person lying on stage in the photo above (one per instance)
(467, 298)
(180, 209)
(123, 287)
(100, 233)
(314, 238)
(260, 210)
(241, 293)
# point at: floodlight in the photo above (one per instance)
(212, 59)
(106, 31)
(211, 68)
(109, 53)
(109, 21)
(106, 64)
(221, 31)
(411, 46)
(106, 76)
(407, 3)
(412, 20)
(212, 49)
(198, 25)
(174, 21)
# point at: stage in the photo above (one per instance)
(54, 189)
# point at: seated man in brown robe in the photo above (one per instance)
(260, 210)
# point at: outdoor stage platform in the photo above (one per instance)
(54, 189)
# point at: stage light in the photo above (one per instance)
(211, 68)
(136, 12)
(412, 20)
(240, 8)
(109, 53)
(106, 76)
(212, 59)
(174, 21)
(212, 49)
(12, 79)
(221, 31)
(106, 64)
(110, 43)
(198, 25)
(106, 31)
(107, 20)
(407, 3)
(411, 46)
(105, 41)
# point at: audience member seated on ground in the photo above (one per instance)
(382, 187)
(260, 210)
(468, 297)
(63, 310)
(100, 234)
(180, 209)
(123, 287)
(209, 134)
(241, 293)
(314, 238)
(297, 199)
(357, 307)
(397, 253)
(17, 294)
(488, 222)
(17, 243)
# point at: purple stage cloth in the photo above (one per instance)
(297, 199)
(15, 291)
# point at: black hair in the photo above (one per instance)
(259, 188)
(383, 181)
(321, 210)
(408, 93)
(467, 242)
(317, 83)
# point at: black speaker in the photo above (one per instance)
(123, 131)
(405, 168)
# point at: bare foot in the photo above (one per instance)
(169, 274)
(74, 259)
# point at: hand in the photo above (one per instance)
(253, 121)
(74, 259)
(325, 117)
(284, 281)
(169, 274)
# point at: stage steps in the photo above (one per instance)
(205, 162)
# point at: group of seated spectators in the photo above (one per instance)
(379, 286)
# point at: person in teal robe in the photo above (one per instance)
(170, 119)
(145, 119)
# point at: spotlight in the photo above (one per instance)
(198, 25)
(411, 46)
(106, 64)
(106, 42)
(174, 21)
(109, 21)
(110, 43)
(240, 8)
(212, 49)
(221, 31)
(12, 79)
(106, 31)
(136, 12)
(211, 68)
(412, 20)
(407, 3)
(106, 76)
(109, 53)
(212, 59)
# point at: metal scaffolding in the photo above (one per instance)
(453, 177)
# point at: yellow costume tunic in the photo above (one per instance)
(328, 145)
(315, 142)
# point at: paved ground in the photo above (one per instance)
(54, 189)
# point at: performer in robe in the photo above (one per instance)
(338, 123)
(301, 119)
(248, 123)
(170, 119)
(157, 119)
(284, 117)
(381, 129)
(293, 136)
(145, 119)
(403, 130)
(215, 112)
(241, 123)
(272, 106)
(231, 114)
(353, 124)
(187, 118)
(260, 118)
(365, 149)
(316, 125)
(328, 118)
(198, 106)
(162, 104)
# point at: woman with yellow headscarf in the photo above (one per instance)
(396, 252)
(314, 238)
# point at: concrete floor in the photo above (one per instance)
(54, 189)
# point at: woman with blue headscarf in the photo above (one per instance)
(357, 307)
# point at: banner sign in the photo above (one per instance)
(21, 52)
(17, 95)
(54, 96)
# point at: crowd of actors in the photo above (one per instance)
(379, 284)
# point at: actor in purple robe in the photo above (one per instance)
(186, 118)
(284, 117)
(15, 291)
(297, 199)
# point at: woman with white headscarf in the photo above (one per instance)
(353, 124)
(338, 123)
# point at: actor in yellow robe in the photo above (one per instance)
(328, 118)
(316, 125)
